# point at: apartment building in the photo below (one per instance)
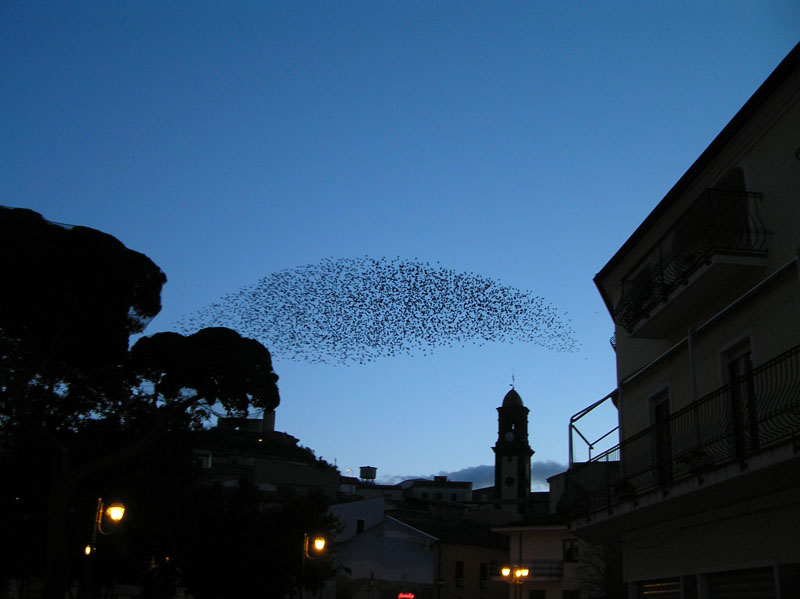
(703, 491)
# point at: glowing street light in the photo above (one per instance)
(515, 575)
(115, 512)
(315, 544)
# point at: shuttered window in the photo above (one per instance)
(758, 583)
(666, 588)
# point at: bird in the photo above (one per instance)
(356, 310)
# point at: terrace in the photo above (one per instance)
(716, 240)
(748, 426)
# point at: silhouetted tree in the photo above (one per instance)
(248, 548)
(72, 298)
(214, 541)
(600, 572)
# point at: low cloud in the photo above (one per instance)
(479, 476)
(483, 476)
(541, 471)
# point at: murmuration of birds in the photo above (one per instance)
(356, 310)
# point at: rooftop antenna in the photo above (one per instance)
(512, 378)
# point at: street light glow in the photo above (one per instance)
(115, 511)
(319, 543)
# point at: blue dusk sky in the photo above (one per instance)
(518, 141)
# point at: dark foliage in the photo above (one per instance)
(72, 296)
(258, 546)
(74, 402)
(216, 364)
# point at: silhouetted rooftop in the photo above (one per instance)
(462, 532)
(512, 400)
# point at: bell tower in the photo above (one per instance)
(512, 454)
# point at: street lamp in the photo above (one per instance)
(317, 543)
(115, 512)
(516, 575)
(312, 549)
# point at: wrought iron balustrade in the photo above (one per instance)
(545, 568)
(751, 414)
(718, 222)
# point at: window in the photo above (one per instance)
(738, 374)
(359, 526)
(204, 459)
(731, 208)
(484, 575)
(756, 582)
(663, 437)
(570, 550)
(459, 574)
(642, 287)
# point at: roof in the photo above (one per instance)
(781, 73)
(548, 520)
(441, 483)
(512, 400)
(461, 532)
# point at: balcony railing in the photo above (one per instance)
(719, 222)
(545, 568)
(742, 419)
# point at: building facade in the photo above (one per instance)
(703, 491)
(550, 554)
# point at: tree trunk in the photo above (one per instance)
(55, 579)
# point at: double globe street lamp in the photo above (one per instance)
(515, 575)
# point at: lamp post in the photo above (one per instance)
(515, 575)
(115, 513)
(312, 549)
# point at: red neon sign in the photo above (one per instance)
(405, 595)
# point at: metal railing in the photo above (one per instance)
(718, 222)
(545, 568)
(754, 412)
(574, 429)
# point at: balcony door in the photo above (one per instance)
(663, 437)
(744, 412)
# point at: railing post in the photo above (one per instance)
(571, 459)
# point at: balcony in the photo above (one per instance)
(716, 241)
(545, 569)
(538, 570)
(749, 425)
